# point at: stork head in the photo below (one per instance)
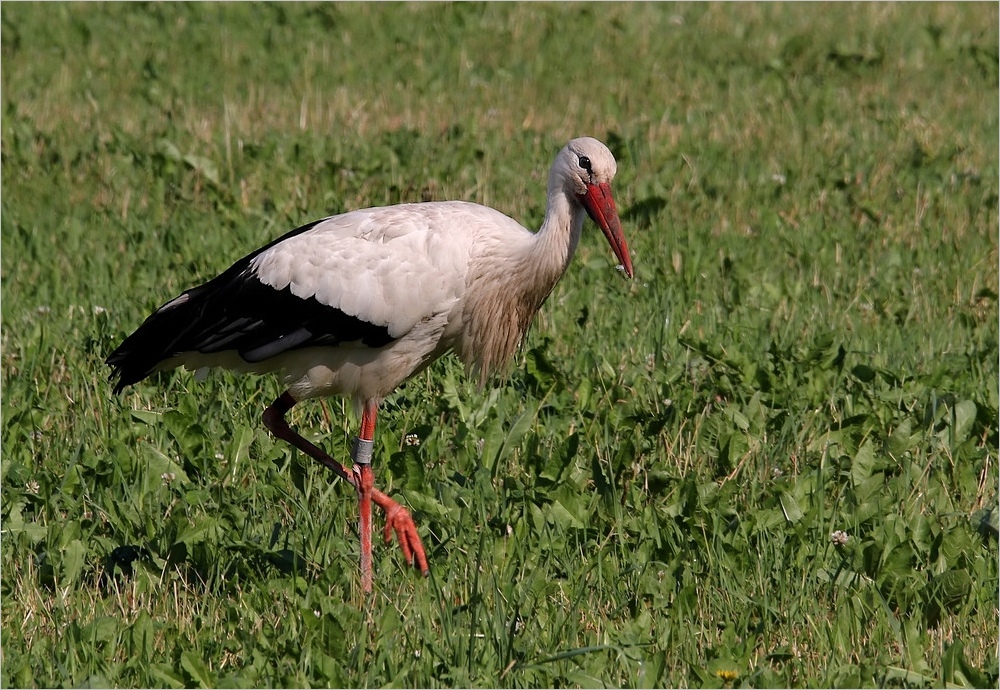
(585, 169)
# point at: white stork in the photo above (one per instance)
(357, 303)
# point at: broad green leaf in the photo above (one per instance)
(142, 633)
(561, 517)
(957, 545)
(584, 389)
(73, 557)
(514, 435)
(950, 667)
(169, 150)
(863, 463)
(790, 507)
(965, 415)
(909, 678)
(765, 520)
(34, 531)
(196, 533)
(204, 166)
(147, 417)
(972, 676)
(161, 469)
(737, 417)
(239, 448)
(103, 629)
(71, 480)
(902, 438)
(651, 669)
(540, 368)
(168, 674)
(864, 373)
(951, 588)
(868, 488)
(197, 669)
(582, 679)
(987, 521)
(407, 469)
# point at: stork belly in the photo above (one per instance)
(360, 372)
(352, 369)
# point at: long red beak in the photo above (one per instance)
(600, 205)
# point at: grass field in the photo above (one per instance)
(769, 460)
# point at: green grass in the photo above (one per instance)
(810, 345)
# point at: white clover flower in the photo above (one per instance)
(839, 537)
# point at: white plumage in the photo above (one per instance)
(356, 303)
(389, 266)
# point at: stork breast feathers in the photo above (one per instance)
(391, 267)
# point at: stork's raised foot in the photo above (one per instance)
(399, 520)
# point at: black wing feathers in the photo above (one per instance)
(235, 311)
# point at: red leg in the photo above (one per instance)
(274, 420)
(361, 454)
(398, 519)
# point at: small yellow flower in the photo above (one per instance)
(727, 675)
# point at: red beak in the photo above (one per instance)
(600, 205)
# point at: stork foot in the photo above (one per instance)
(399, 521)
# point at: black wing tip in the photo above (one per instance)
(117, 378)
(120, 384)
(124, 373)
(117, 372)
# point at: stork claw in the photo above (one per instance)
(399, 520)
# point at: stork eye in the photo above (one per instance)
(585, 163)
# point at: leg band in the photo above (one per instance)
(361, 451)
